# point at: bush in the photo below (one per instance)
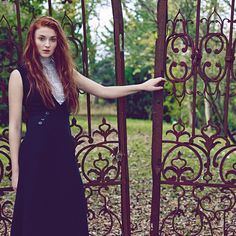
(139, 105)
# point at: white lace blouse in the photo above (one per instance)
(51, 75)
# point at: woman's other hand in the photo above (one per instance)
(14, 180)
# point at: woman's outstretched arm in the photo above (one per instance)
(15, 96)
(99, 90)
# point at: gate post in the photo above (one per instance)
(157, 116)
(122, 132)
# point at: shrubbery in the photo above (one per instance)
(139, 105)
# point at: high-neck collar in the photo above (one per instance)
(46, 60)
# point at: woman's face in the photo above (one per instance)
(46, 41)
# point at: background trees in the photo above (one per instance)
(140, 35)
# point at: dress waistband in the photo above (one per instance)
(46, 113)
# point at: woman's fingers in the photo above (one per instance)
(155, 84)
(159, 80)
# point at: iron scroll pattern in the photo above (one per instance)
(99, 162)
(198, 168)
(6, 197)
(100, 166)
(213, 42)
(207, 59)
(199, 176)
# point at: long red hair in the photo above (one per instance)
(63, 62)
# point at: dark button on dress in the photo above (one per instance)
(50, 197)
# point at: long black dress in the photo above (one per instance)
(50, 197)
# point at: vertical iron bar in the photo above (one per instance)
(120, 80)
(229, 63)
(19, 31)
(195, 67)
(85, 63)
(50, 7)
(157, 116)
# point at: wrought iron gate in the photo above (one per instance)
(194, 178)
(193, 167)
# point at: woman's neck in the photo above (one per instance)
(46, 60)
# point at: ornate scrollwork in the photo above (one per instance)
(5, 161)
(204, 150)
(224, 159)
(6, 206)
(101, 169)
(179, 130)
(213, 47)
(206, 201)
(8, 46)
(72, 29)
(105, 130)
(178, 71)
(176, 164)
(105, 216)
(6, 213)
(195, 210)
(100, 163)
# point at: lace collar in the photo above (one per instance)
(46, 61)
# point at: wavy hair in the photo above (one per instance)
(63, 63)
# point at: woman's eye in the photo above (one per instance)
(54, 40)
(41, 39)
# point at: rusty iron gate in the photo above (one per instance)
(193, 166)
(194, 177)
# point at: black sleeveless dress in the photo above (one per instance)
(50, 197)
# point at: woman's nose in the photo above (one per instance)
(47, 43)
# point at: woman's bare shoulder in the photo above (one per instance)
(15, 73)
(15, 77)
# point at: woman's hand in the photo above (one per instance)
(153, 84)
(14, 180)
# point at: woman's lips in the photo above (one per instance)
(46, 51)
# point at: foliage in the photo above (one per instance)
(140, 26)
(139, 104)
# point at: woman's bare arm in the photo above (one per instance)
(99, 90)
(15, 95)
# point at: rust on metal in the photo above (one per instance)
(85, 61)
(196, 188)
(120, 80)
(157, 116)
(49, 7)
(20, 45)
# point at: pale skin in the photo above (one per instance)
(46, 42)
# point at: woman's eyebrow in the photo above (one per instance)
(41, 35)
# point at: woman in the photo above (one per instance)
(50, 198)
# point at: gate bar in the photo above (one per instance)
(229, 64)
(85, 63)
(122, 131)
(19, 32)
(196, 62)
(157, 116)
(49, 7)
